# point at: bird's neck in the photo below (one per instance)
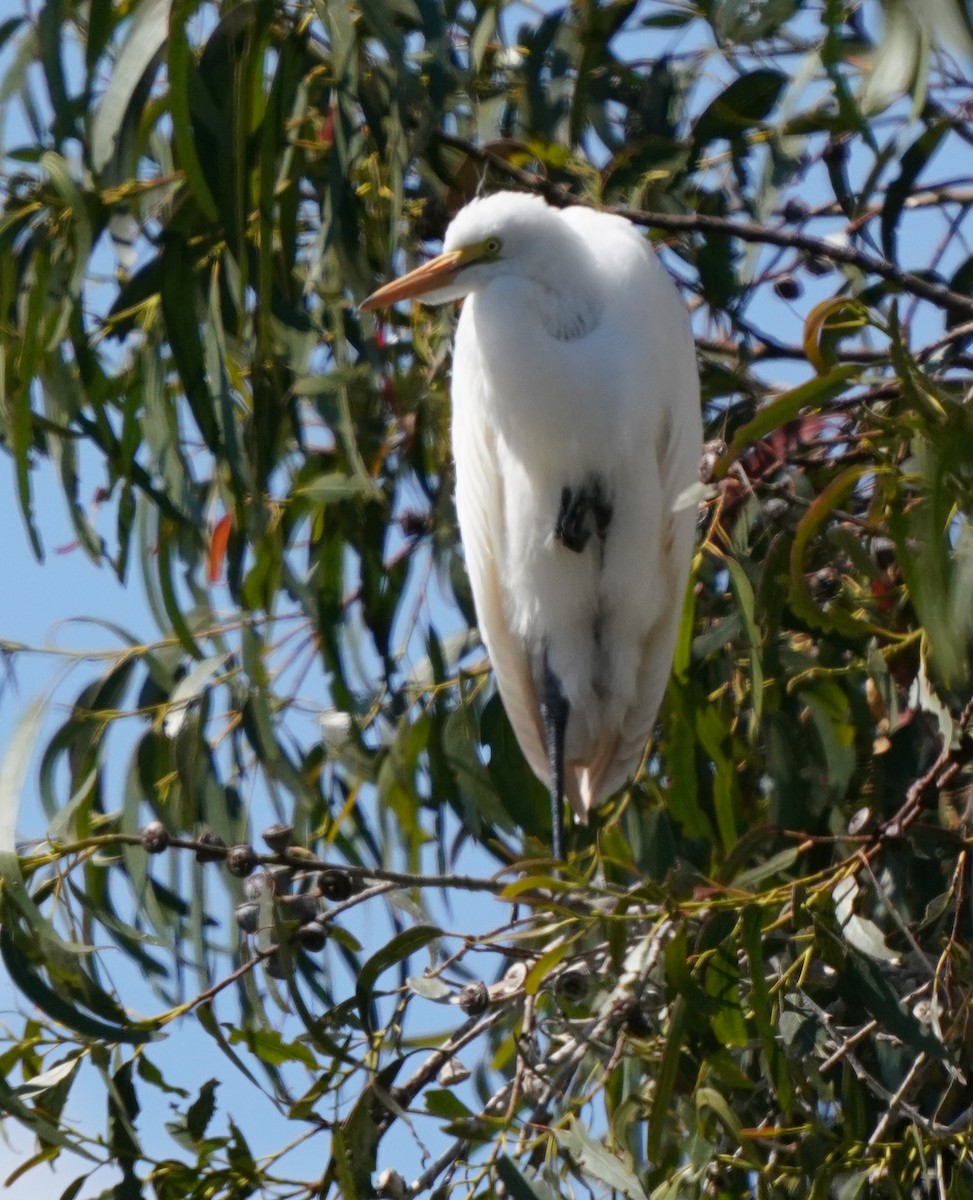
(572, 293)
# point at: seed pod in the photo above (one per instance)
(241, 860)
(247, 916)
(256, 885)
(572, 986)
(511, 983)
(335, 885)
(155, 837)
(474, 998)
(278, 837)
(795, 211)
(787, 287)
(860, 821)
(312, 936)
(637, 1023)
(210, 847)
(390, 1185)
(452, 1073)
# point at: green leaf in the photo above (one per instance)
(522, 795)
(123, 1112)
(813, 395)
(478, 796)
(517, 1187)
(145, 36)
(666, 1075)
(831, 616)
(13, 774)
(597, 1161)
(39, 992)
(858, 931)
(401, 947)
(332, 486)
(445, 1104)
(50, 1078)
(200, 1112)
(723, 984)
(270, 1047)
(430, 987)
(762, 1007)
(189, 689)
(743, 591)
(745, 103)
(778, 863)
(866, 987)
(206, 1017)
(960, 282)
(36, 1120)
(180, 309)
(182, 77)
(913, 162)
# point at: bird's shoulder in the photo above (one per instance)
(599, 227)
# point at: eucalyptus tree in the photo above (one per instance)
(295, 888)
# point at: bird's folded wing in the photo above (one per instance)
(479, 502)
(619, 756)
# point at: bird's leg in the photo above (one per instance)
(554, 712)
(572, 528)
(601, 510)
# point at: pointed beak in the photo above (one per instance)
(434, 274)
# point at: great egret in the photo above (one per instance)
(576, 425)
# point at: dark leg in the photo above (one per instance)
(570, 527)
(573, 527)
(554, 711)
(602, 510)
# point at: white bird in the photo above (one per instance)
(576, 426)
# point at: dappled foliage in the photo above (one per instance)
(753, 975)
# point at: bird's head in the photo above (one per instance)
(503, 233)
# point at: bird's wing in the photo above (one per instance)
(620, 753)
(677, 455)
(479, 503)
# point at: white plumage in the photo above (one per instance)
(576, 425)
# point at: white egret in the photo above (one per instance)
(576, 425)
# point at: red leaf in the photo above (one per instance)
(217, 547)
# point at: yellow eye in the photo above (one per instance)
(492, 245)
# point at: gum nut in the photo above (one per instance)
(452, 1073)
(335, 885)
(155, 837)
(278, 837)
(474, 998)
(312, 937)
(246, 917)
(241, 860)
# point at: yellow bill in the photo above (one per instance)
(434, 274)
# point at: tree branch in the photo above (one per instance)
(746, 231)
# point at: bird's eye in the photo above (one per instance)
(492, 245)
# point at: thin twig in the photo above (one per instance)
(895, 1100)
